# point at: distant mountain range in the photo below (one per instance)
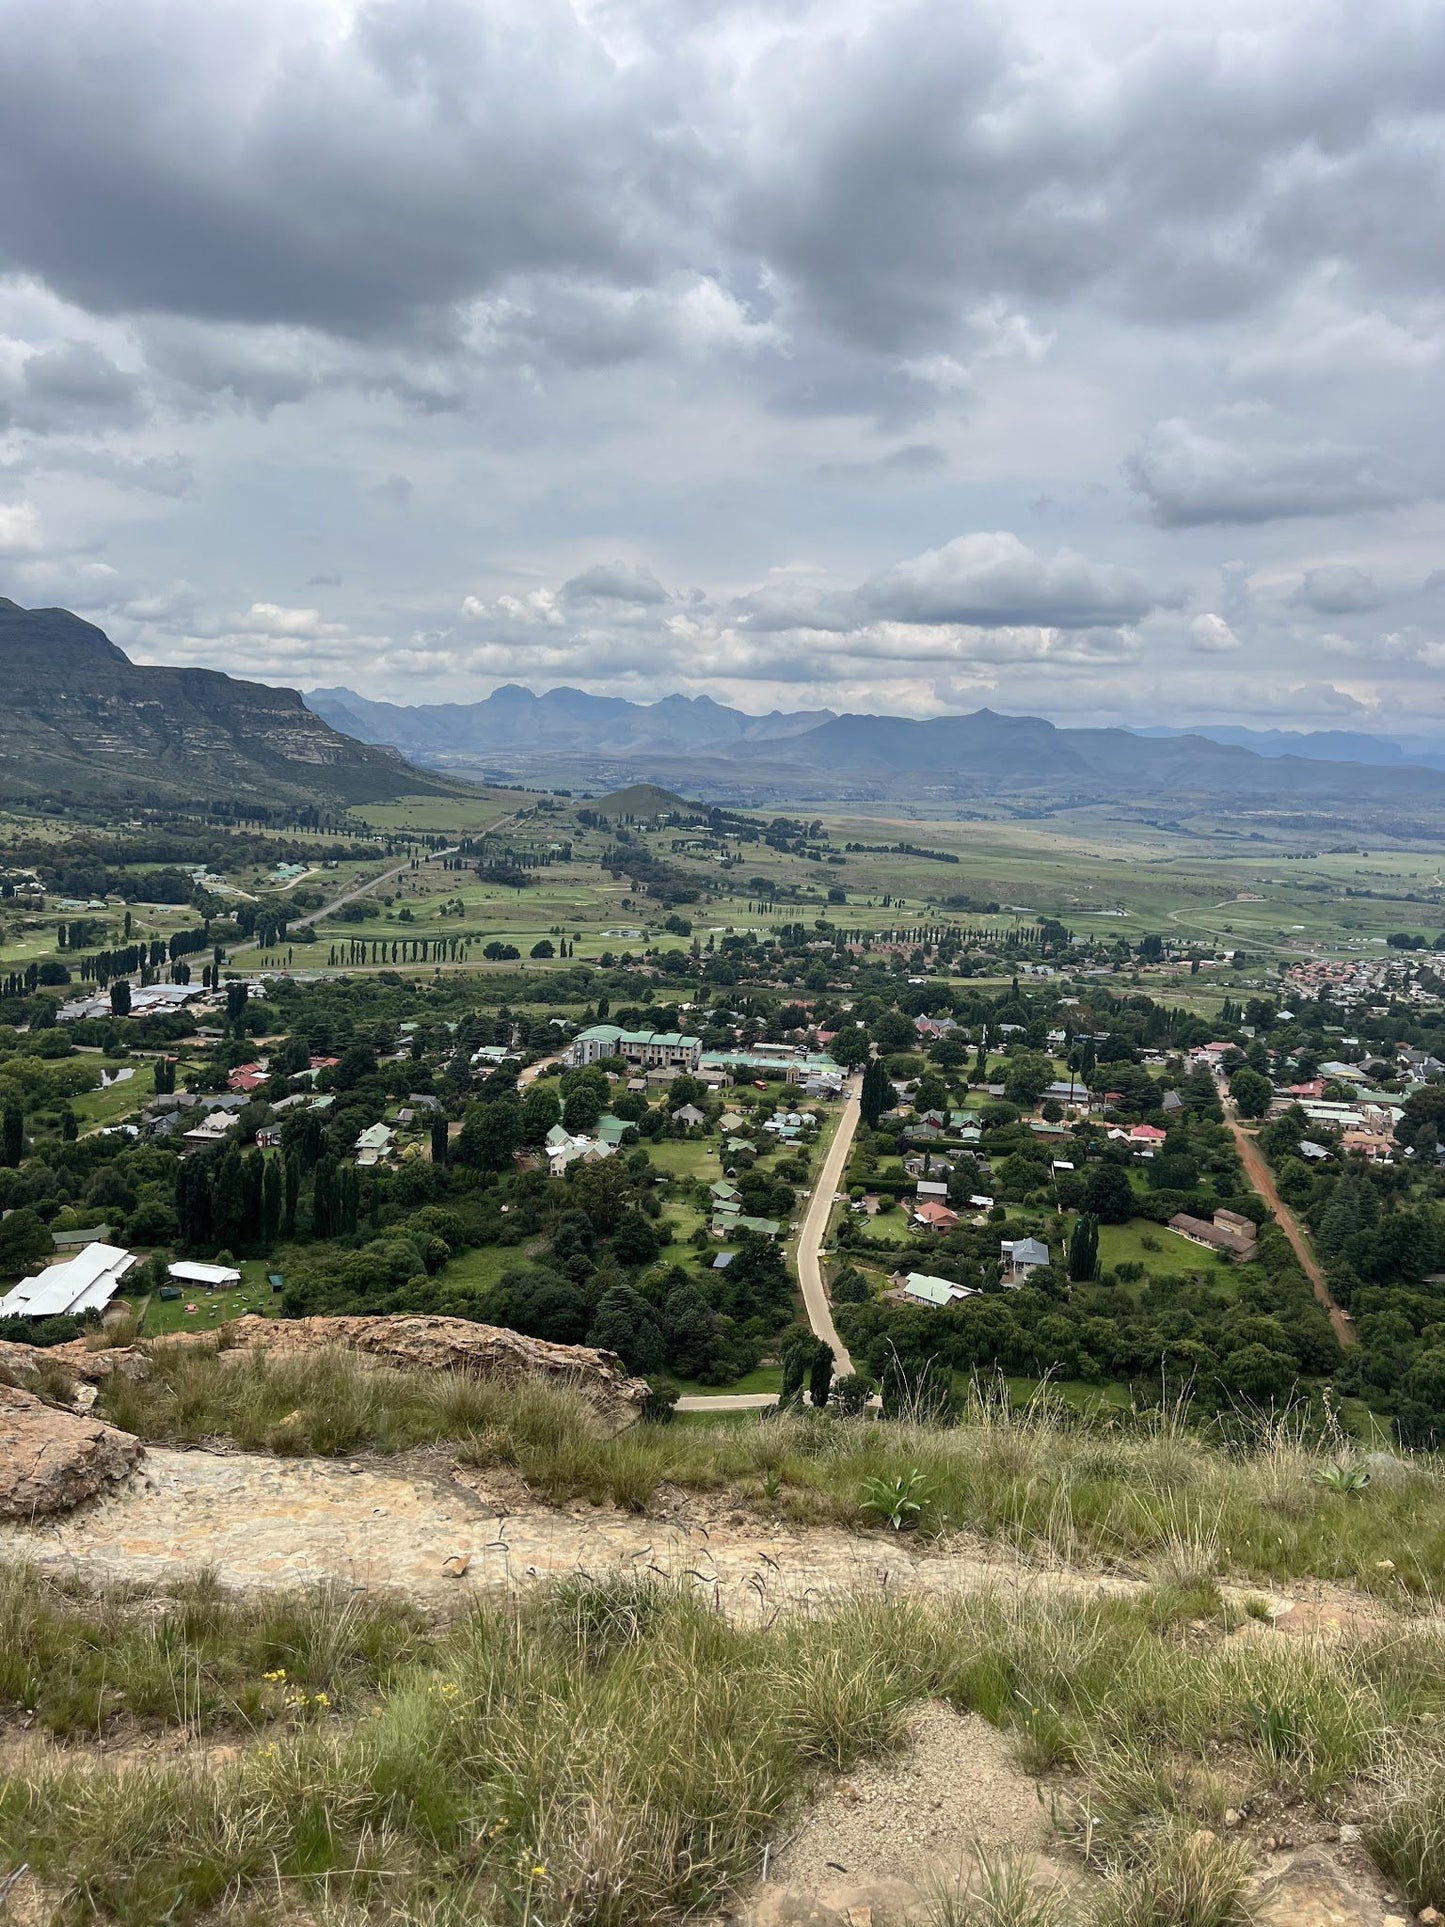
(705, 749)
(1318, 745)
(512, 722)
(80, 722)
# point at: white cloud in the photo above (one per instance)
(19, 528)
(1212, 635)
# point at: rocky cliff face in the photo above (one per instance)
(80, 719)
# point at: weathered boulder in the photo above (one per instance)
(446, 1345)
(414, 1343)
(75, 1358)
(51, 1460)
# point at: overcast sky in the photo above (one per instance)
(1082, 359)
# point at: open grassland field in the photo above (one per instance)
(469, 815)
(546, 883)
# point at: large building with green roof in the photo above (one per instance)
(648, 1049)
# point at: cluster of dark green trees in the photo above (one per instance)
(1380, 1233)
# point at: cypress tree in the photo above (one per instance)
(323, 1198)
(253, 1183)
(1084, 1249)
(14, 1134)
(291, 1179)
(271, 1200)
(877, 1094)
(798, 1358)
(820, 1376)
(438, 1139)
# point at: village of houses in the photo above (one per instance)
(1342, 1099)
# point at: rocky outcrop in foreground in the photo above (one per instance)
(413, 1344)
(51, 1460)
(448, 1345)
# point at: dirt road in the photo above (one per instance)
(376, 883)
(1261, 1178)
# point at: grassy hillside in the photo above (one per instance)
(609, 1748)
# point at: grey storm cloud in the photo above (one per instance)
(71, 385)
(615, 582)
(362, 173)
(1192, 476)
(912, 459)
(1339, 589)
(749, 296)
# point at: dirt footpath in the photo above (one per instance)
(409, 1523)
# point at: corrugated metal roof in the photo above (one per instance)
(85, 1282)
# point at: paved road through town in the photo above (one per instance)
(810, 1268)
(815, 1229)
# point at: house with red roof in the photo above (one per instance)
(930, 1215)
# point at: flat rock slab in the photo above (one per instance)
(272, 1521)
(1324, 1887)
(893, 1835)
(52, 1461)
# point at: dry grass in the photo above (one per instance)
(612, 1753)
(1155, 1496)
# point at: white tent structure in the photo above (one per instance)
(211, 1276)
(86, 1282)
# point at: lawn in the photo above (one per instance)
(1175, 1256)
(1080, 1395)
(679, 1157)
(483, 1268)
(212, 1307)
(100, 1107)
(767, 1378)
